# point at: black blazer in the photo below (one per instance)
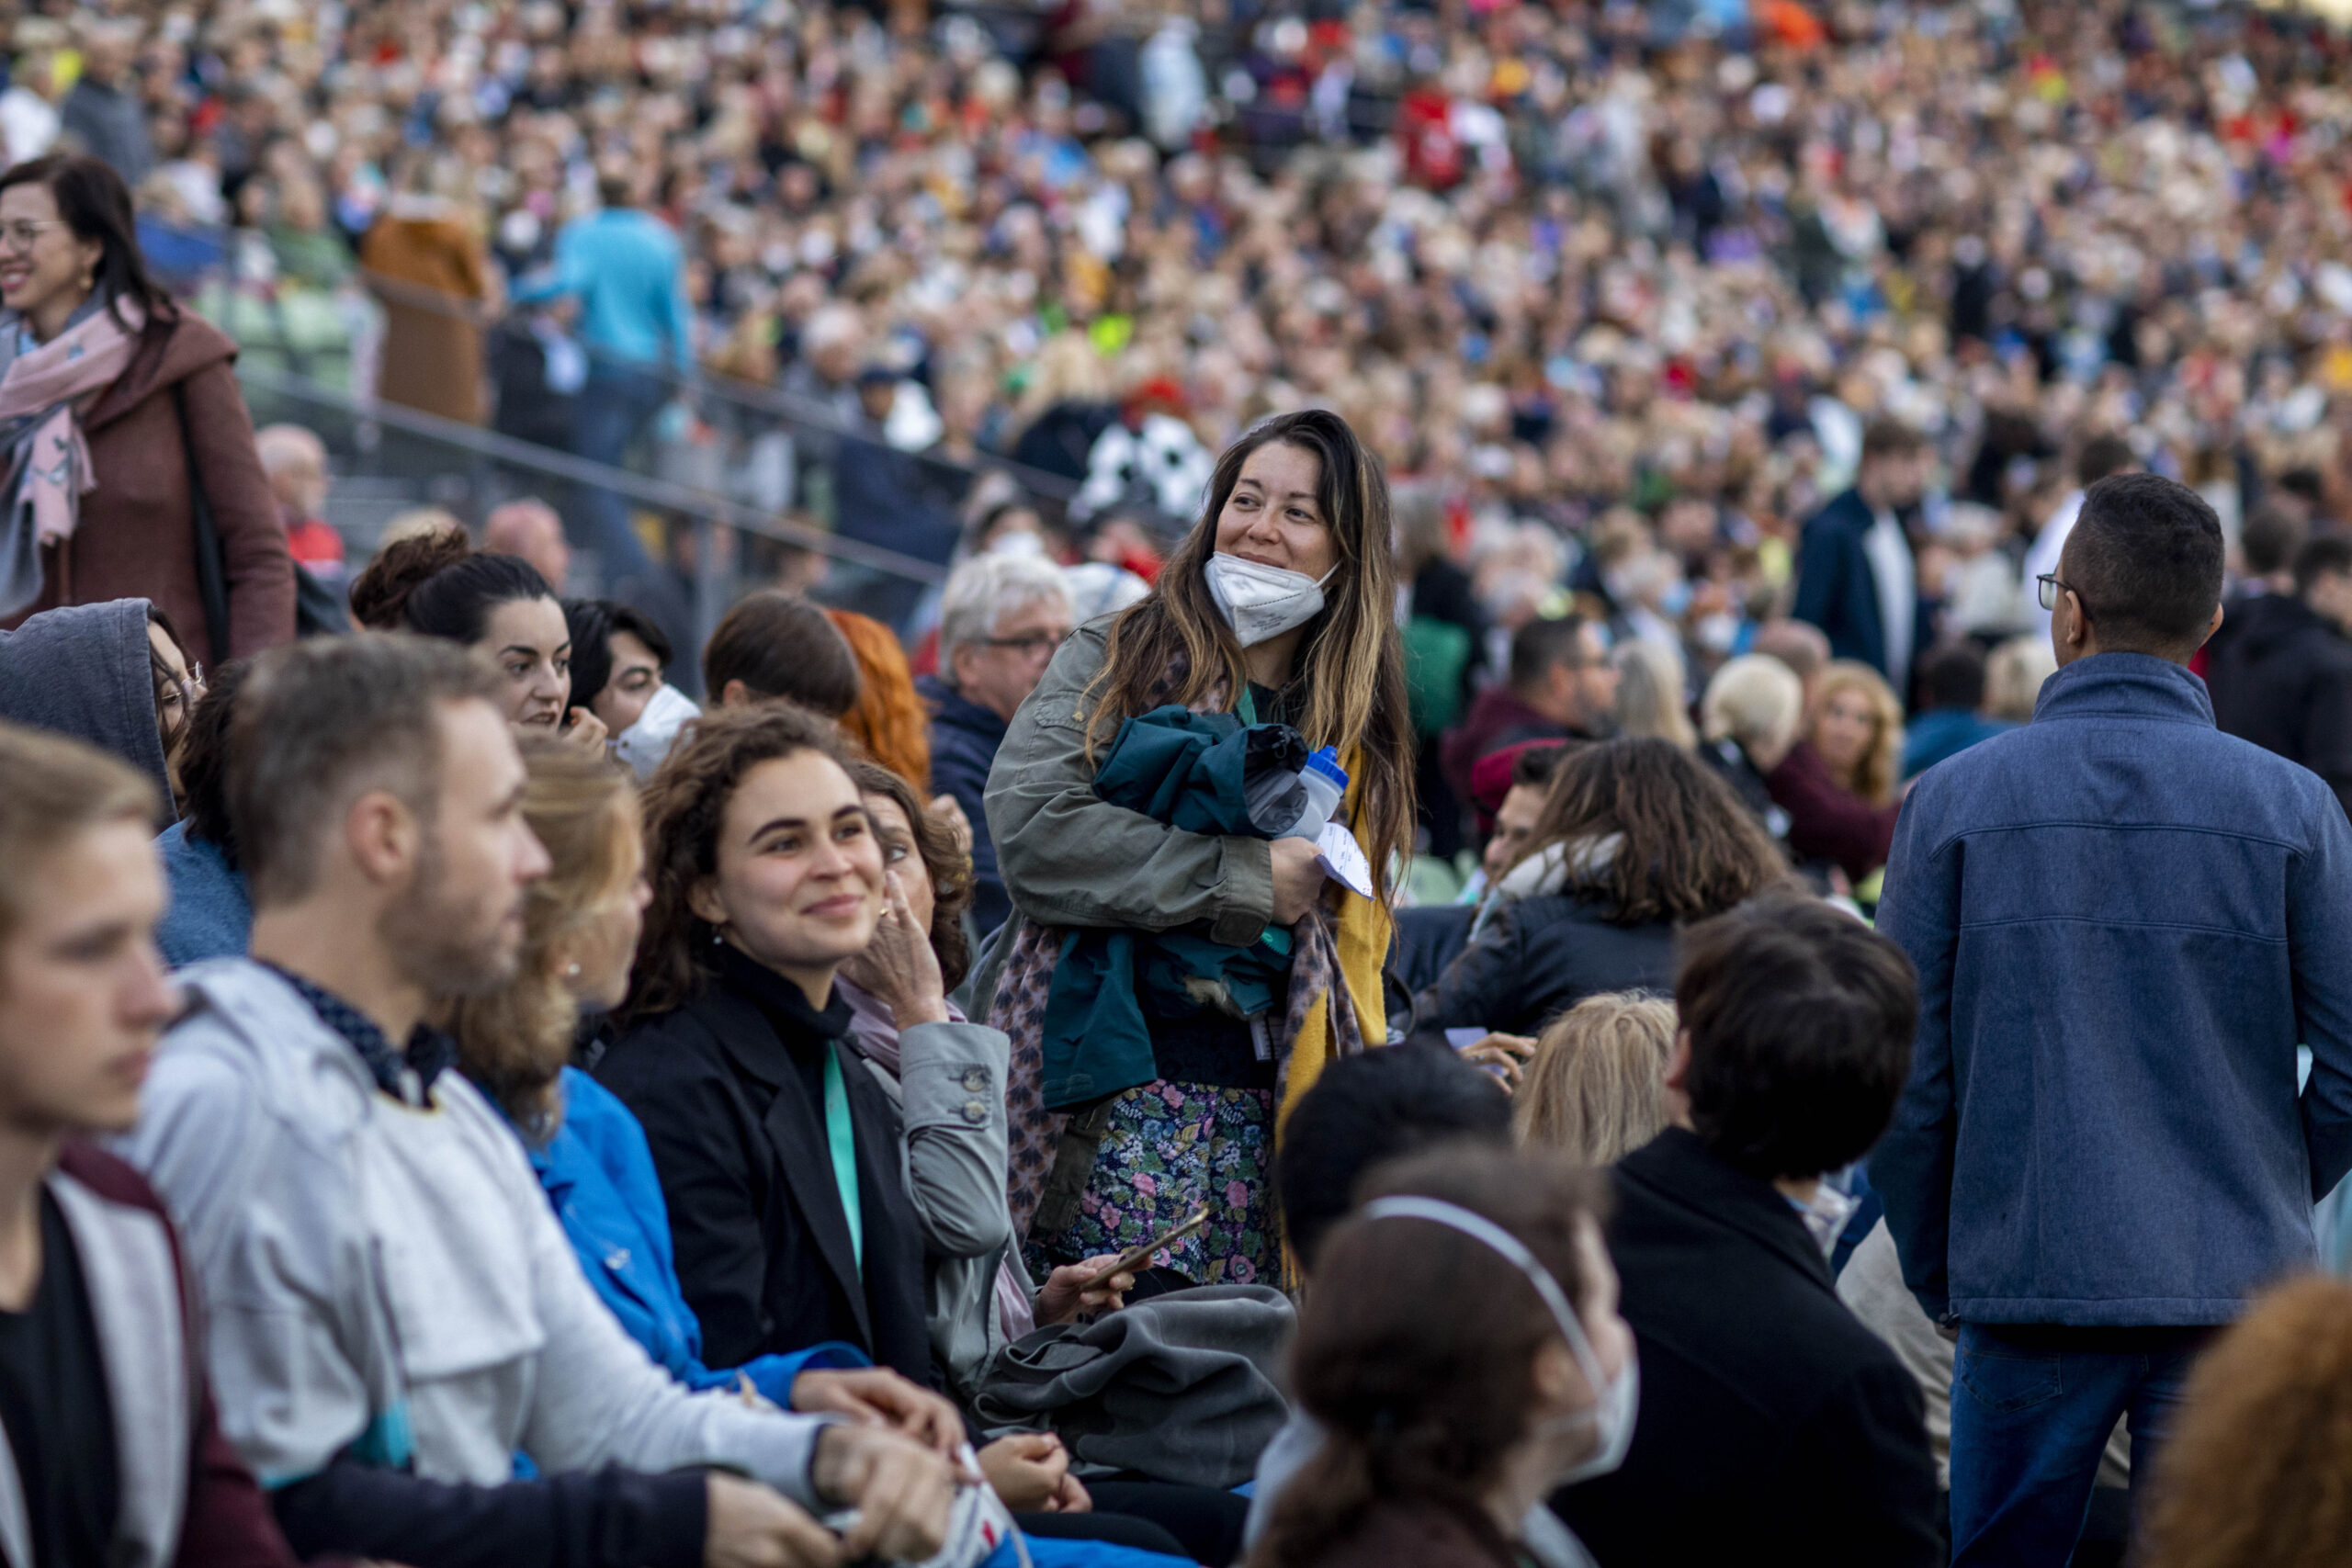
(1538, 958)
(1837, 591)
(762, 1246)
(1773, 1425)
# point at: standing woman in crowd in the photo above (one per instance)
(132, 471)
(1280, 606)
(435, 584)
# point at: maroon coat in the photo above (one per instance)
(136, 537)
(1826, 820)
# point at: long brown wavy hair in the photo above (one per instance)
(515, 1042)
(2257, 1472)
(888, 719)
(1416, 1342)
(1352, 660)
(1690, 849)
(684, 806)
(945, 860)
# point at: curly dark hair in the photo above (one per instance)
(685, 805)
(948, 865)
(1688, 848)
(440, 586)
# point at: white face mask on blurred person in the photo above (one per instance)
(643, 744)
(1618, 1399)
(1016, 542)
(1260, 601)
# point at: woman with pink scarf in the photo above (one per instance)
(127, 460)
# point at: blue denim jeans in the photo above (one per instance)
(2032, 1409)
(610, 413)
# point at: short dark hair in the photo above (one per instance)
(1890, 438)
(1541, 643)
(2145, 558)
(322, 721)
(593, 623)
(779, 644)
(2270, 539)
(1371, 1108)
(1952, 676)
(2102, 456)
(2330, 553)
(1534, 765)
(1800, 1019)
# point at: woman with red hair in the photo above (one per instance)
(889, 721)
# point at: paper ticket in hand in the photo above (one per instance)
(1342, 859)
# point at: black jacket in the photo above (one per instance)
(723, 1087)
(964, 738)
(1538, 958)
(1773, 1425)
(2283, 680)
(1838, 591)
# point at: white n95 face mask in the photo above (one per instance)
(1612, 1416)
(643, 744)
(1260, 601)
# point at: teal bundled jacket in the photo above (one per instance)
(1193, 772)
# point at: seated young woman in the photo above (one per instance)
(1635, 839)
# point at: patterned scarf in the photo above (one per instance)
(1317, 994)
(41, 398)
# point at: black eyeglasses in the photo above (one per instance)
(1029, 644)
(2051, 587)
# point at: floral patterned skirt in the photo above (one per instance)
(1170, 1148)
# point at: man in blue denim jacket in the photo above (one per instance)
(2124, 922)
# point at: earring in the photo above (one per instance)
(572, 971)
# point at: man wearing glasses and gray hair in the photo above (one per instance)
(2125, 922)
(1000, 620)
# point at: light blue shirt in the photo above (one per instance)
(627, 271)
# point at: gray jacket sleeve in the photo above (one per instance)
(1068, 859)
(958, 1147)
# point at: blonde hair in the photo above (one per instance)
(1649, 693)
(1874, 776)
(1752, 698)
(516, 1041)
(2013, 677)
(1596, 1088)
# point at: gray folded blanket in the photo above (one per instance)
(1180, 1388)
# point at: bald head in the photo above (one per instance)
(532, 530)
(296, 462)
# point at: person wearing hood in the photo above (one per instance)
(2284, 679)
(132, 456)
(112, 674)
(1635, 839)
(1001, 618)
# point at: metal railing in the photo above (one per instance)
(470, 470)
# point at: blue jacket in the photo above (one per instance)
(964, 738)
(627, 271)
(1838, 592)
(598, 1173)
(211, 914)
(2124, 922)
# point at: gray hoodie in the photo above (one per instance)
(391, 1278)
(84, 672)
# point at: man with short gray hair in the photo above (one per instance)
(1000, 620)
